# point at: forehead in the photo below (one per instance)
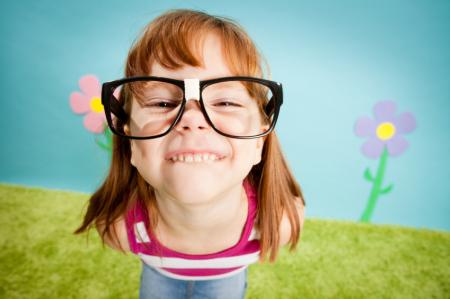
(214, 63)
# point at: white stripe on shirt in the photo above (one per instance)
(187, 277)
(181, 263)
(141, 233)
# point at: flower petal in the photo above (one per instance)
(405, 123)
(397, 145)
(365, 127)
(79, 102)
(384, 111)
(90, 85)
(372, 148)
(94, 122)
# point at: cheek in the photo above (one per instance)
(141, 152)
(145, 161)
(244, 151)
(245, 158)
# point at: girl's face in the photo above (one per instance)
(195, 182)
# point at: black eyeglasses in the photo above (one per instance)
(149, 107)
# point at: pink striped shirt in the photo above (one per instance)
(195, 266)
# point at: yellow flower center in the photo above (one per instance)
(385, 131)
(96, 105)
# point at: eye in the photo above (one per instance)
(225, 103)
(166, 105)
(162, 104)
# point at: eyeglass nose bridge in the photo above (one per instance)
(192, 89)
(192, 92)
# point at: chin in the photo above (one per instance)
(195, 189)
(195, 195)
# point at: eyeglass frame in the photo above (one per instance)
(273, 105)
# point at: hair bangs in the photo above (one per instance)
(177, 40)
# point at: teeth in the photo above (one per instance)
(195, 158)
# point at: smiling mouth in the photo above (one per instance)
(196, 158)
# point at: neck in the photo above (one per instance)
(202, 219)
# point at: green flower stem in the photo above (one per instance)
(377, 190)
(107, 145)
(108, 137)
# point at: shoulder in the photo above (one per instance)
(285, 225)
(119, 228)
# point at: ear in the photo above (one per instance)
(132, 145)
(259, 147)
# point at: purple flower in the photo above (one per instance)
(385, 130)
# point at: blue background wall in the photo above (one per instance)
(336, 59)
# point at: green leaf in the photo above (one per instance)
(102, 145)
(387, 189)
(368, 175)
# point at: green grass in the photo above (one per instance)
(41, 258)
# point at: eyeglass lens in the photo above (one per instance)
(234, 107)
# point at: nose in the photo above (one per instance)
(192, 118)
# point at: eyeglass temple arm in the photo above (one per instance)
(270, 107)
(117, 109)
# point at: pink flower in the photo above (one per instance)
(88, 102)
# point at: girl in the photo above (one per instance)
(198, 185)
